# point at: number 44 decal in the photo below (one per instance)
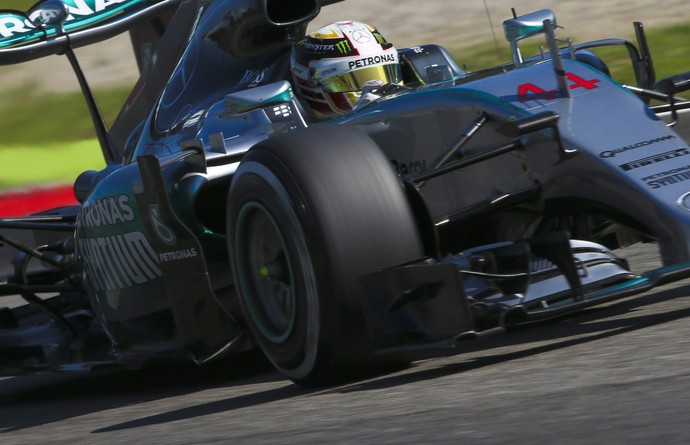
(530, 91)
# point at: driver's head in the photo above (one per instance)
(329, 66)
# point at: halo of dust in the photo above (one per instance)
(452, 23)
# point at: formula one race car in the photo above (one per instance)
(226, 219)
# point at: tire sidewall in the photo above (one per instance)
(338, 200)
(255, 184)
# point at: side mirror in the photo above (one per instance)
(524, 26)
(527, 25)
(259, 97)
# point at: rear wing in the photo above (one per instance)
(89, 21)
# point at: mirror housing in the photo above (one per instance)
(259, 97)
(527, 25)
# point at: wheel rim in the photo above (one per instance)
(265, 272)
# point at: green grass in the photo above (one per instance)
(670, 48)
(19, 5)
(48, 137)
(31, 116)
(51, 163)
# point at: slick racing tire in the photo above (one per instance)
(309, 212)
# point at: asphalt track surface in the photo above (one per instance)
(617, 373)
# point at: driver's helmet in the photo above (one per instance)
(330, 66)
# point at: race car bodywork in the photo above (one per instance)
(456, 207)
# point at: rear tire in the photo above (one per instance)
(309, 212)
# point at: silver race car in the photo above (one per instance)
(451, 207)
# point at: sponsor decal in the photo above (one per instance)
(82, 13)
(374, 60)
(668, 177)
(162, 231)
(13, 25)
(107, 211)
(380, 39)
(360, 36)
(168, 237)
(318, 47)
(404, 168)
(613, 153)
(88, 7)
(654, 159)
(328, 71)
(177, 255)
(252, 78)
(343, 46)
(684, 201)
(529, 91)
(119, 261)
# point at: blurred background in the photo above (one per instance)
(45, 131)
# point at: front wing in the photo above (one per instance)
(431, 304)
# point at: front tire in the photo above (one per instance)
(309, 213)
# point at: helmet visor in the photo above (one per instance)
(354, 80)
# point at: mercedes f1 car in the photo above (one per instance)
(226, 220)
